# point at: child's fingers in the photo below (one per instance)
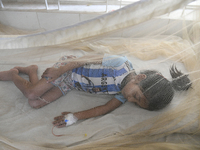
(59, 118)
(44, 75)
(45, 72)
(59, 124)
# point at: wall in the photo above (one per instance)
(46, 20)
(56, 1)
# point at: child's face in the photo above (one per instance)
(133, 93)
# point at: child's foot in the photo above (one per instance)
(27, 70)
(7, 75)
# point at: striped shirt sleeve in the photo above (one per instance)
(121, 98)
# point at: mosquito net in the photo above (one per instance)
(150, 40)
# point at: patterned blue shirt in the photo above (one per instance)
(103, 78)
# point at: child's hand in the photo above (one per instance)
(59, 121)
(51, 73)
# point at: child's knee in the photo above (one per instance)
(35, 103)
(31, 95)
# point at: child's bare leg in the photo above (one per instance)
(40, 93)
(46, 98)
(31, 71)
(7, 75)
(31, 91)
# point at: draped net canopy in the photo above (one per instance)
(138, 31)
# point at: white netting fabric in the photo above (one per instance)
(148, 42)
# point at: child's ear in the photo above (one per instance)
(140, 77)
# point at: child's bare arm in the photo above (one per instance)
(94, 112)
(54, 73)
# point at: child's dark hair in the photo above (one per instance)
(159, 91)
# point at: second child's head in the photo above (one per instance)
(152, 91)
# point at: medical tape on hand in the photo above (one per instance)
(70, 119)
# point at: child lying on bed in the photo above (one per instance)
(99, 75)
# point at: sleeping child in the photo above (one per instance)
(97, 74)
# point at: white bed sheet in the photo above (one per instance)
(24, 127)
